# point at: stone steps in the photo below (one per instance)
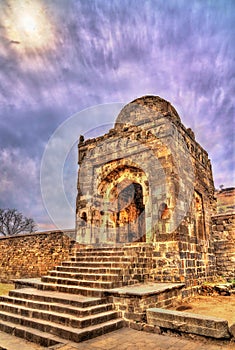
(55, 317)
(56, 307)
(30, 334)
(101, 259)
(99, 253)
(72, 289)
(86, 276)
(73, 301)
(82, 282)
(44, 332)
(106, 264)
(77, 301)
(88, 270)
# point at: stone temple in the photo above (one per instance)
(148, 181)
(147, 238)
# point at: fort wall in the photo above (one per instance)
(32, 255)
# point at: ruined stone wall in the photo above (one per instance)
(225, 200)
(184, 262)
(187, 255)
(32, 255)
(224, 242)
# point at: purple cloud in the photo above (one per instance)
(98, 52)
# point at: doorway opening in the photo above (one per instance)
(130, 213)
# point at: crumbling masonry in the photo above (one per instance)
(148, 181)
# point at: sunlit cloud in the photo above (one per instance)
(28, 26)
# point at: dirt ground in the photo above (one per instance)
(217, 306)
(5, 288)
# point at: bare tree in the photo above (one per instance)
(13, 222)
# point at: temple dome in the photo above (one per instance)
(145, 109)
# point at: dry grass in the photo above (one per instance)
(5, 288)
(215, 306)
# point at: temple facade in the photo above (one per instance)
(148, 181)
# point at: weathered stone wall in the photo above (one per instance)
(133, 307)
(224, 243)
(151, 148)
(225, 200)
(185, 262)
(32, 255)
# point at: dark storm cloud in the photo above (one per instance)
(109, 51)
(28, 130)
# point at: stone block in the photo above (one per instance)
(136, 326)
(148, 328)
(232, 330)
(188, 323)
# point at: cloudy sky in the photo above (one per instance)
(59, 57)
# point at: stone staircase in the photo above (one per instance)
(72, 303)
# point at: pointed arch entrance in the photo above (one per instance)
(125, 193)
(130, 216)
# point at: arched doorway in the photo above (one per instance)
(123, 193)
(130, 216)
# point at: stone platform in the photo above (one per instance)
(146, 289)
(132, 301)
